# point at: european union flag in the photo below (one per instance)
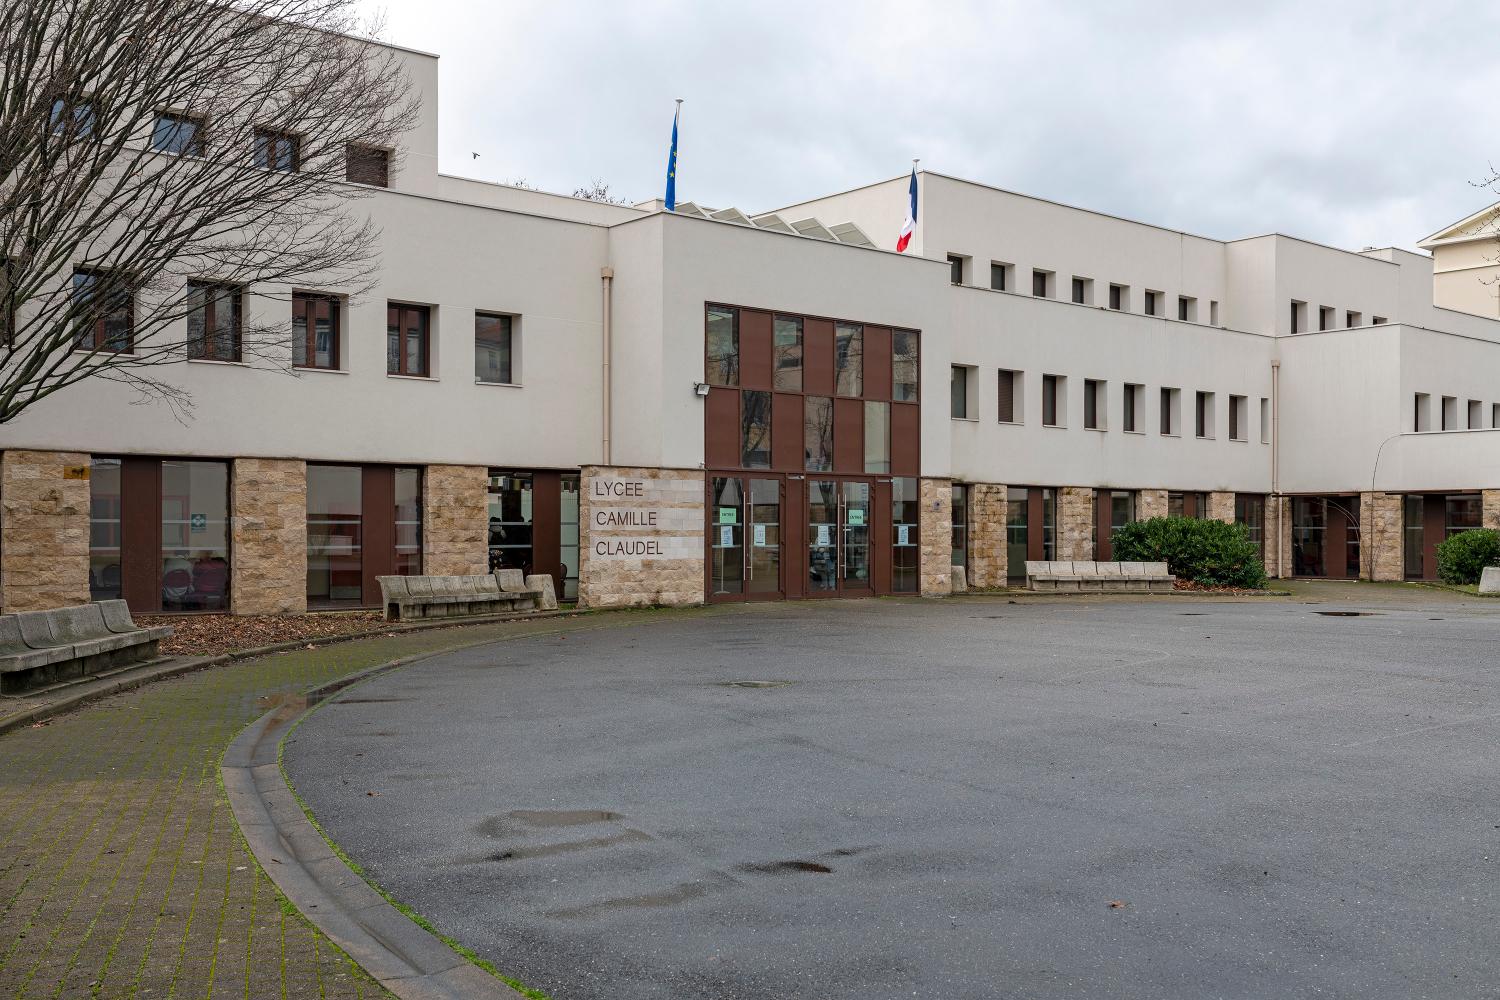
(672, 164)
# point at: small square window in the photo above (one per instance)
(1119, 297)
(1203, 414)
(1187, 309)
(316, 331)
(1083, 291)
(1093, 404)
(368, 165)
(278, 151)
(955, 269)
(1000, 276)
(1011, 404)
(1153, 303)
(180, 134)
(1054, 401)
(1041, 283)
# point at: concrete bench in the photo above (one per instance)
(44, 647)
(407, 598)
(1079, 576)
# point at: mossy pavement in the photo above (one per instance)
(122, 872)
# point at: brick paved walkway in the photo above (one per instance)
(121, 870)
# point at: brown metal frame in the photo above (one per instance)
(722, 419)
(310, 335)
(401, 309)
(210, 319)
(93, 337)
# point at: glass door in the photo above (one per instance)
(744, 542)
(839, 523)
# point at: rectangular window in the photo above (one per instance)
(999, 276)
(755, 429)
(103, 310)
(512, 511)
(7, 301)
(315, 331)
(1265, 420)
(905, 548)
(1352, 319)
(1152, 301)
(1093, 404)
(1421, 419)
(1495, 415)
(1299, 316)
(1462, 512)
(958, 393)
(215, 318)
(959, 525)
(1213, 312)
(1083, 291)
(407, 518)
(1135, 401)
(817, 433)
(955, 269)
(407, 339)
(75, 117)
(1412, 536)
(1053, 400)
(905, 365)
(1169, 421)
(1010, 397)
(335, 535)
(1450, 413)
(1237, 408)
(367, 165)
(1117, 297)
(494, 348)
(521, 515)
(723, 353)
(1476, 414)
(1327, 317)
(1203, 414)
(787, 345)
(180, 134)
(1041, 283)
(849, 359)
(1250, 511)
(1187, 309)
(1378, 321)
(877, 437)
(278, 151)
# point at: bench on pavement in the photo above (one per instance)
(44, 647)
(1082, 576)
(407, 598)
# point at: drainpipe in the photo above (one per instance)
(607, 276)
(1276, 458)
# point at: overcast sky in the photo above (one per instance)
(1351, 123)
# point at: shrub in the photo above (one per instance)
(1463, 557)
(1213, 553)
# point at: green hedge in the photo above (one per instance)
(1213, 553)
(1464, 556)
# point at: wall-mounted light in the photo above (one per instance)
(701, 388)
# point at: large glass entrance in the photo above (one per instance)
(744, 538)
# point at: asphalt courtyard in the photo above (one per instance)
(955, 799)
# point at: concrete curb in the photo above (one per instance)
(80, 692)
(406, 959)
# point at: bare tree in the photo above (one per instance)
(162, 159)
(598, 190)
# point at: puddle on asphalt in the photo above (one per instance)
(365, 701)
(1347, 614)
(784, 867)
(548, 850)
(754, 684)
(563, 817)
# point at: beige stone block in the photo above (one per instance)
(44, 530)
(1150, 504)
(1381, 550)
(268, 535)
(1075, 523)
(988, 554)
(1221, 507)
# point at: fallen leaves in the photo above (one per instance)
(210, 635)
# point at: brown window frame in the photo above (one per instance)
(310, 344)
(264, 136)
(402, 309)
(197, 348)
(7, 301)
(358, 157)
(195, 147)
(93, 336)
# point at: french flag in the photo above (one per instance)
(910, 225)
